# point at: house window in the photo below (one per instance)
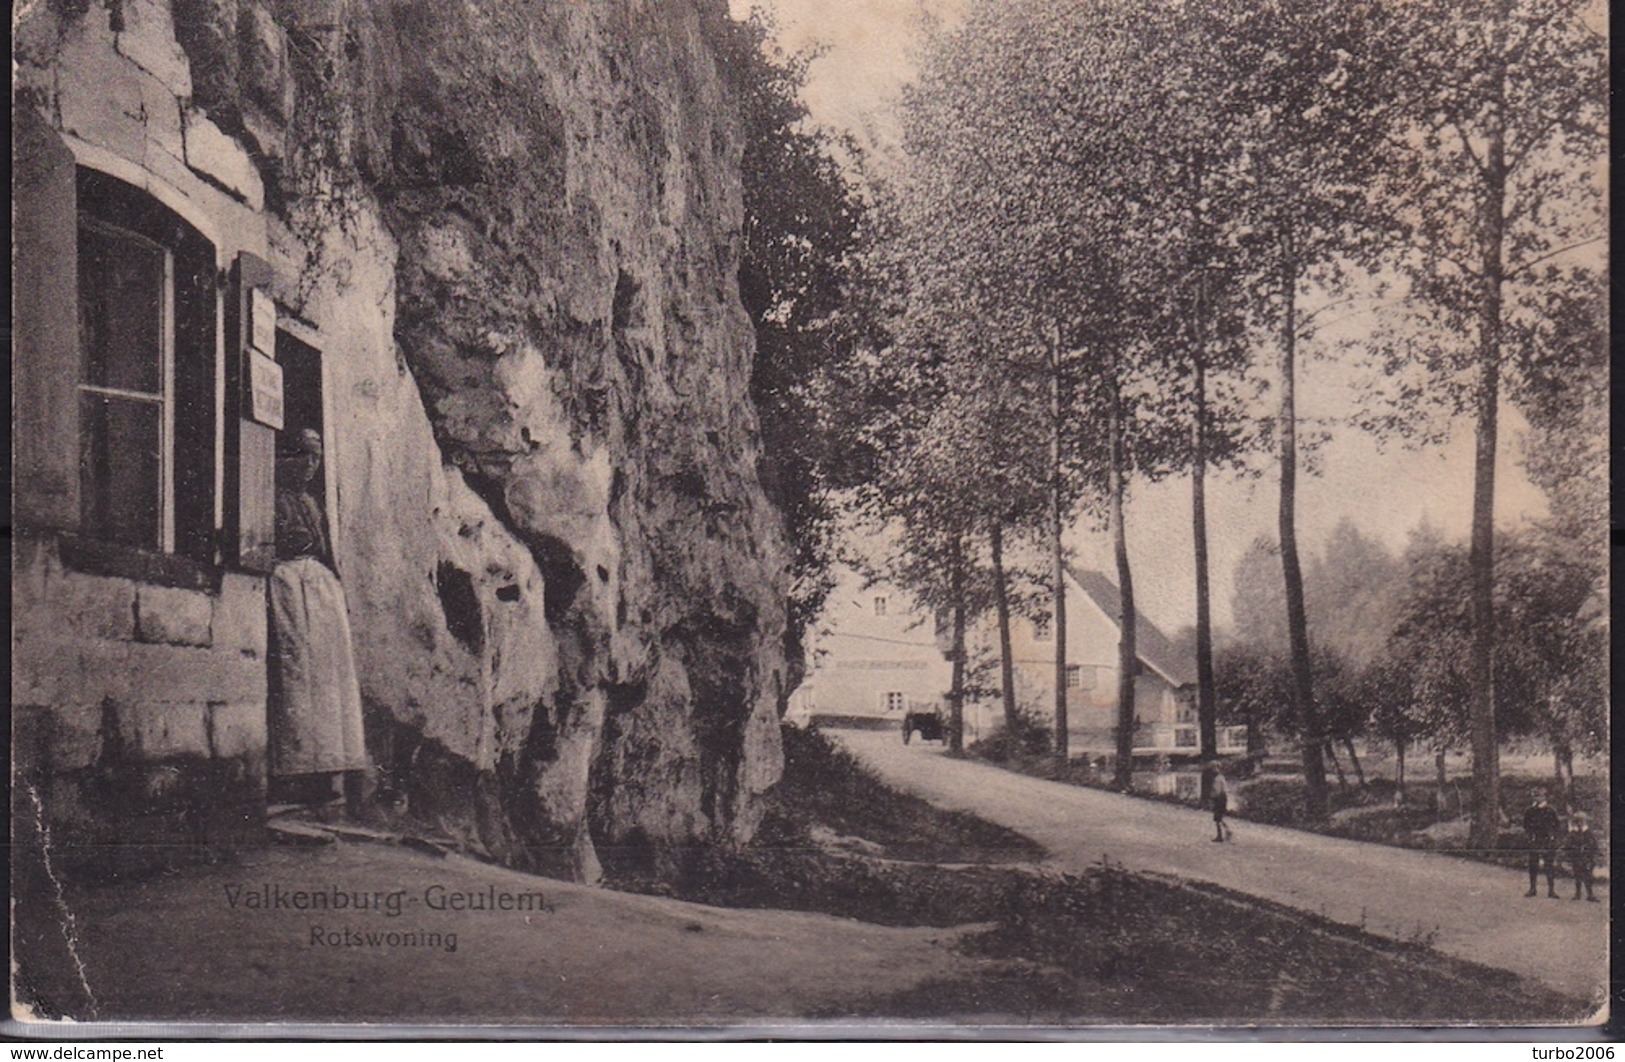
(1041, 629)
(1080, 676)
(895, 701)
(126, 386)
(147, 337)
(880, 606)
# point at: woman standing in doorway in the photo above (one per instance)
(316, 733)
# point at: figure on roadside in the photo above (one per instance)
(1581, 848)
(1219, 797)
(315, 698)
(1542, 831)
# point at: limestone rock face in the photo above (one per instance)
(566, 195)
(561, 180)
(517, 228)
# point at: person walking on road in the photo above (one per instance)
(1220, 797)
(1542, 830)
(1581, 848)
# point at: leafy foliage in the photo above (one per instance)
(1549, 662)
(1125, 205)
(1352, 591)
(802, 284)
(1504, 109)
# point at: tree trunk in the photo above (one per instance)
(1354, 760)
(1399, 772)
(1255, 737)
(1440, 781)
(956, 694)
(1057, 554)
(1206, 707)
(1337, 766)
(1007, 664)
(1303, 687)
(1486, 746)
(1563, 757)
(1128, 658)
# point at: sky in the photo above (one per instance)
(869, 49)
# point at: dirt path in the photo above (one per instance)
(1465, 909)
(176, 948)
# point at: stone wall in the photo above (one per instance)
(138, 710)
(138, 685)
(513, 232)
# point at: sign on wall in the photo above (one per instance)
(264, 390)
(262, 321)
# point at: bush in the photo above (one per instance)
(1029, 737)
(825, 786)
(1371, 815)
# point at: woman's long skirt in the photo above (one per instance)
(315, 710)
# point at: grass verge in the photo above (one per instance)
(826, 790)
(1112, 947)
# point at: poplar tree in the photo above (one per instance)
(1505, 130)
(1305, 102)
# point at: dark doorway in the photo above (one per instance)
(301, 399)
(301, 366)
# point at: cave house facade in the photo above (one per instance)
(491, 256)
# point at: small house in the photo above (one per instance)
(1165, 682)
(872, 657)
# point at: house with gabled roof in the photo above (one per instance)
(1165, 683)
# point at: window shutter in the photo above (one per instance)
(197, 302)
(45, 408)
(253, 472)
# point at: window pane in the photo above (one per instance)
(119, 481)
(121, 310)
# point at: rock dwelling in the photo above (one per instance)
(490, 256)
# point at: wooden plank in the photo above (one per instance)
(250, 447)
(257, 532)
(197, 353)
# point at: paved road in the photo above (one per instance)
(1468, 910)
